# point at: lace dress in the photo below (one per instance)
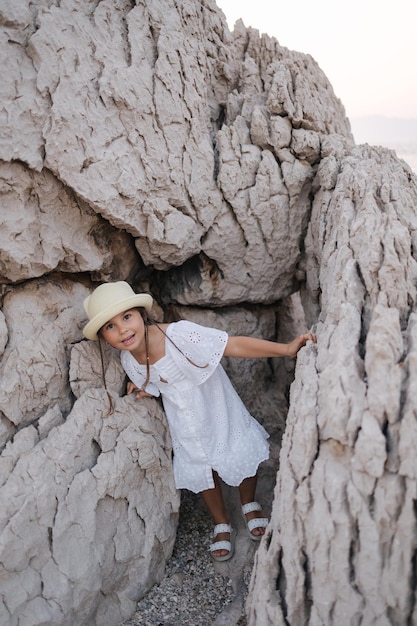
(210, 426)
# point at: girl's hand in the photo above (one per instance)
(131, 388)
(297, 343)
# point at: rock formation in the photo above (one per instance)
(143, 141)
(342, 539)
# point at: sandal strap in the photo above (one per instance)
(221, 545)
(222, 528)
(257, 522)
(251, 506)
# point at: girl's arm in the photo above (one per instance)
(253, 348)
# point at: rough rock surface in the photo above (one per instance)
(343, 524)
(89, 530)
(143, 141)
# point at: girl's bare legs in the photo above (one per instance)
(247, 490)
(214, 501)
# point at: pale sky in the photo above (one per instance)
(366, 48)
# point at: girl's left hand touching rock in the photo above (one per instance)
(139, 393)
(297, 343)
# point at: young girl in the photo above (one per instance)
(213, 435)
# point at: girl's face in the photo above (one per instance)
(125, 331)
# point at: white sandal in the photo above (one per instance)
(257, 522)
(223, 545)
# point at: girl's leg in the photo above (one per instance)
(214, 501)
(247, 490)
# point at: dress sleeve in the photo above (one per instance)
(202, 345)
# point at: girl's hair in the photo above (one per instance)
(148, 320)
(103, 374)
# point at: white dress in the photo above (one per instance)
(210, 426)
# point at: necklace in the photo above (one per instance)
(148, 369)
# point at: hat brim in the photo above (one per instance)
(138, 300)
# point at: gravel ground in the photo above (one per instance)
(196, 591)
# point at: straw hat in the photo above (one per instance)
(108, 300)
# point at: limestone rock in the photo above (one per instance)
(86, 368)
(135, 142)
(343, 524)
(43, 319)
(4, 335)
(88, 515)
(158, 106)
(7, 430)
(47, 229)
(26, 110)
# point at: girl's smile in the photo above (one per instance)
(129, 340)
